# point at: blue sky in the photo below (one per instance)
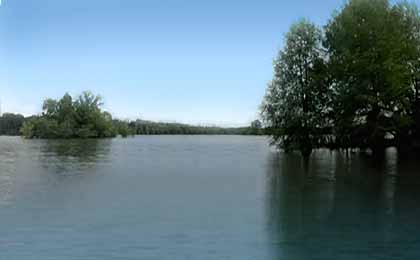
(190, 61)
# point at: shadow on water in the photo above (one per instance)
(338, 207)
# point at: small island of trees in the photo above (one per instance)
(68, 118)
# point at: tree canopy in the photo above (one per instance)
(362, 85)
(68, 118)
(295, 102)
(11, 123)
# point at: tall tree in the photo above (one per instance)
(368, 56)
(295, 104)
(407, 15)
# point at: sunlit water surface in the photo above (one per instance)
(202, 197)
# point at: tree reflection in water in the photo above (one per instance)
(72, 156)
(334, 207)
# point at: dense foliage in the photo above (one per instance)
(142, 127)
(10, 124)
(83, 118)
(68, 118)
(356, 84)
(295, 102)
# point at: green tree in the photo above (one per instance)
(371, 81)
(10, 124)
(50, 108)
(66, 118)
(407, 14)
(28, 129)
(65, 109)
(295, 104)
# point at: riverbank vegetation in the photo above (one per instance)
(142, 127)
(355, 83)
(83, 117)
(10, 124)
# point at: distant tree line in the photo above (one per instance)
(141, 127)
(10, 124)
(83, 117)
(355, 83)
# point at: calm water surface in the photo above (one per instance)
(202, 197)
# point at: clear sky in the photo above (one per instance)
(190, 61)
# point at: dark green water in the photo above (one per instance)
(202, 197)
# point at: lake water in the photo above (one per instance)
(202, 197)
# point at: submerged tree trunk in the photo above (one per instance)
(376, 139)
(416, 113)
(378, 151)
(306, 149)
(306, 153)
